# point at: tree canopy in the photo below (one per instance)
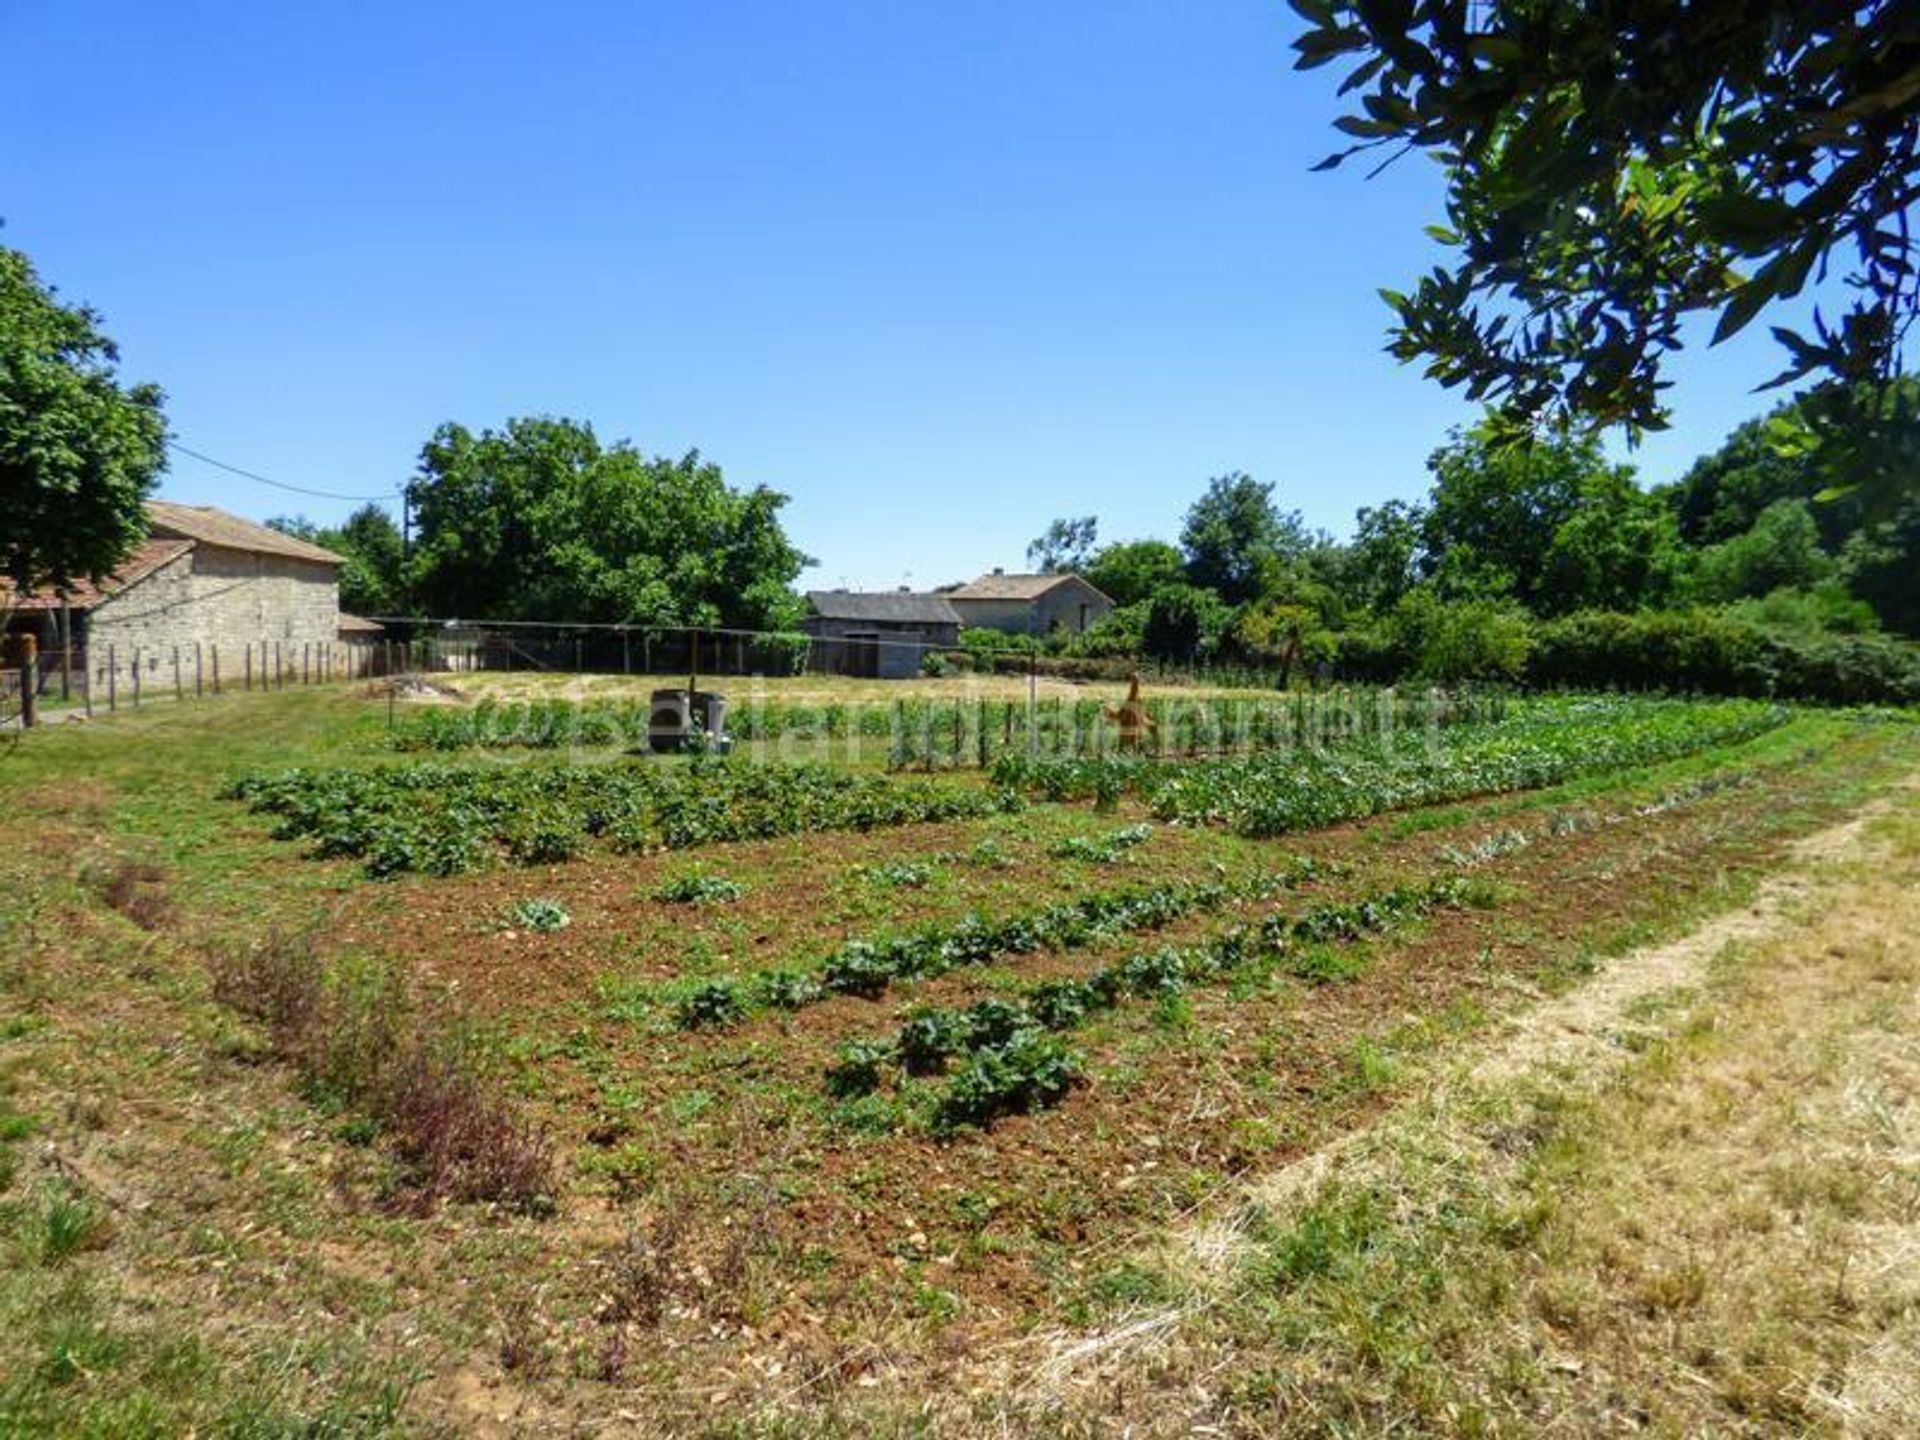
(1235, 537)
(79, 452)
(541, 521)
(1065, 546)
(1614, 169)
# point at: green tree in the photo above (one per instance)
(1881, 565)
(1185, 623)
(1619, 550)
(1614, 169)
(1381, 560)
(1065, 547)
(79, 452)
(1451, 640)
(1129, 571)
(539, 520)
(1781, 550)
(1235, 538)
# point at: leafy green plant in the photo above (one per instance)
(1030, 1071)
(857, 1068)
(1107, 849)
(542, 915)
(717, 1002)
(698, 888)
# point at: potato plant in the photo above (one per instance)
(442, 819)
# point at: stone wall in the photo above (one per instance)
(233, 599)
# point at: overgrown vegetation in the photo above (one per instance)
(360, 1043)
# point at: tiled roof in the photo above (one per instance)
(1010, 587)
(216, 527)
(360, 625)
(904, 607)
(147, 557)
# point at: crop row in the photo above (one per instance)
(1009, 1057)
(968, 731)
(868, 968)
(440, 819)
(1546, 743)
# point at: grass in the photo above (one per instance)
(213, 1217)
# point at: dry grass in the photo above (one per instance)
(1703, 1220)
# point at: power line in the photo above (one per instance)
(276, 484)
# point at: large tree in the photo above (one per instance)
(79, 452)
(540, 521)
(1614, 168)
(1065, 546)
(1236, 539)
(1129, 571)
(1551, 524)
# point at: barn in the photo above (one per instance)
(1030, 604)
(883, 634)
(202, 578)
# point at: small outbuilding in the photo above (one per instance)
(1030, 604)
(203, 583)
(881, 634)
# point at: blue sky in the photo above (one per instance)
(940, 273)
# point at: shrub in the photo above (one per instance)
(1722, 654)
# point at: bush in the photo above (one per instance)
(1715, 653)
(1452, 640)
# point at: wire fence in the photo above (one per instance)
(104, 678)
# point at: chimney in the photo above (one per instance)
(999, 569)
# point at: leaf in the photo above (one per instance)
(1748, 301)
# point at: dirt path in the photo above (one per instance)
(1578, 1034)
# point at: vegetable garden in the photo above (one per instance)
(960, 733)
(733, 1062)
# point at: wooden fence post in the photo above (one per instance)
(214, 650)
(113, 681)
(134, 672)
(199, 687)
(29, 681)
(176, 674)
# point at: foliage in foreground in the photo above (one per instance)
(442, 820)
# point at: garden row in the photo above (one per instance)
(964, 732)
(441, 819)
(1002, 1055)
(867, 968)
(1545, 742)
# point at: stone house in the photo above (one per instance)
(1030, 604)
(883, 634)
(202, 578)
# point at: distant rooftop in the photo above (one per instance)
(999, 586)
(215, 527)
(903, 607)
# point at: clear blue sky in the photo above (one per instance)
(940, 273)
